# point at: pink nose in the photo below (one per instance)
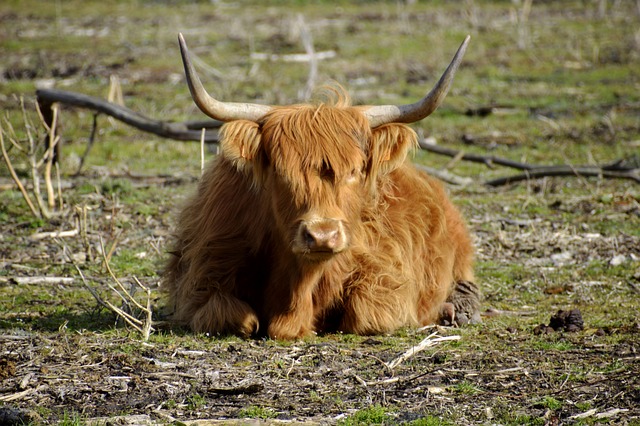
(323, 235)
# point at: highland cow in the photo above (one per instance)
(313, 220)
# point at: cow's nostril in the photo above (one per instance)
(322, 236)
(308, 237)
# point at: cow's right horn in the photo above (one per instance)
(223, 111)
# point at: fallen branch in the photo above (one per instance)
(594, 413)
(427, 342)
(185, 131)
(238, 390)
(54, 234)
(193, 131)
(446, 176)
(294, 57)
(550, 171)
(131, 419)
(488, 160)
(41, 280)
(619, 169)
(17, 395)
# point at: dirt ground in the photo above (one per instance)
(318, 382)
(508, 370)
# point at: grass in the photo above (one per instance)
(196, 402)
(550, 403)
(428, 420)
(256, 412)
(373, 415)
(466, 388)
(71, 419)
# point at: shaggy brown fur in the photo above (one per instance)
(310, 221)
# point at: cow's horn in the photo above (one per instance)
(223, 111)
(383, 114)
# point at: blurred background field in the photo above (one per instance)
(542, 82)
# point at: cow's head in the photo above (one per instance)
(319, 164)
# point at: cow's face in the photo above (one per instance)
(319, 167)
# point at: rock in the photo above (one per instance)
(617, 260)
(570, 321)
(18, 416)
(567, 320)
(542, 329)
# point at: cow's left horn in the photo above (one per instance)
(383, 114)
(223, 111)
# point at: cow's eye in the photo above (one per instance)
(354, 175)
(327, 173)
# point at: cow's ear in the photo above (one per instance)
(390, 144)
(240, 142)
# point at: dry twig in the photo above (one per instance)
(36, 162)
(41, 280)
(14, 175)
(427, 342)
(185, 131)
(620, 169)
(54, 234)
(144, 326)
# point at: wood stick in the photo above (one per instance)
(172, 130)
(42, 280)
(549, 171)
(488, 160)
(48, 157)
(427, 342)
(16, 396)
(15, 177)
(53, 234)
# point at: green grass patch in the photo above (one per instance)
(549, 403)
(373, 415)
(71, 419)
(257, 412)
(552, 344)
(466, 388)
(430, 421)
(196, 402)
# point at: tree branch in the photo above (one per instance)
(192, 131)
(549, 171)
(488, 160)
(185, 131)
(620, 169)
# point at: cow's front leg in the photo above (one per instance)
(293, 324)
(291, 314)
(376, 304)
(224, 313)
